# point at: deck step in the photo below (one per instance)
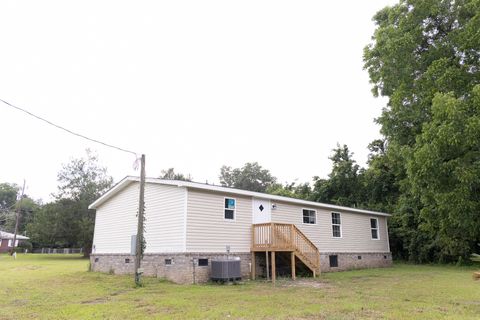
(286, 237)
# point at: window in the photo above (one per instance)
(359, 257)
(309, 216)
(333, 261)
(374, 228)
(10, 243)
(127, 260)
(203, 262)
(96, 259)
(229, 209)
(168, 262)
(336, 225)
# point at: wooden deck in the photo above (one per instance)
(273, 237)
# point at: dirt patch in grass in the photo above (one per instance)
(20, 302)
(27, 268)
(96, 301)
(305, 283)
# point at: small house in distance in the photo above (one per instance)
(188, 224)
(6, 241)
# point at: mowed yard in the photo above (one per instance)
(60, 287)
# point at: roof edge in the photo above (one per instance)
(196, 185)
(112, 191)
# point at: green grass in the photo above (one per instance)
(59, 287)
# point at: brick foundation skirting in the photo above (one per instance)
(350, 261)
(184, 268)
(176, 267)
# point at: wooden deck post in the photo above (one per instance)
(274, 272)
(292, 255)
(268, 267)
(253, 265)
(319, 263)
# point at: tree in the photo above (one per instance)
(445, 174)
(422, 52)
(421, 48)
(67, 221)
(9, 205)
(8, 199)
(83, 180)
(26, 212)
(250, 177)
(291, 190)
(170, 174)
(342, 187)
(56, 224)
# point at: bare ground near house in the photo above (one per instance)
(60, 287)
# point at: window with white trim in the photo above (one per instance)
(229, 209)
(309, 216)
(336, 225)
(374, 227)
(10, 243)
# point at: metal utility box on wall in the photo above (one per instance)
(226, 270)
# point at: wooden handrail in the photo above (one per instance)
(287, 237)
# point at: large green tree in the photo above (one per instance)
(422, 47)
(9, 206)
(68, 218)
(445, 173)
(56, 225)
(249, 177)
(425, 54)
(342, 187)
(8, 199)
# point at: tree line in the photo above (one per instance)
(66, 221)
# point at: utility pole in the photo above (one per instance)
(17, 218)
(141, 211)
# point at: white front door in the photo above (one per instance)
(262, 211)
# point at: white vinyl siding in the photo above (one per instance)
(356, 234)
(164, 218)
(116, 220)
(207, 228)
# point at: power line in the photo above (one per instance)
(67, 130)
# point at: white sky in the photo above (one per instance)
(192, 84)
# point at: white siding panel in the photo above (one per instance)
(356, 232)
(208, 231)
(116, 220)
(164, 216)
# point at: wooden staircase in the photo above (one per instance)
(272, 237)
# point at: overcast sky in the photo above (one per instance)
(192, 84)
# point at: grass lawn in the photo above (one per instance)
(59, 287)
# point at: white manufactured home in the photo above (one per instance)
(190, 224)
